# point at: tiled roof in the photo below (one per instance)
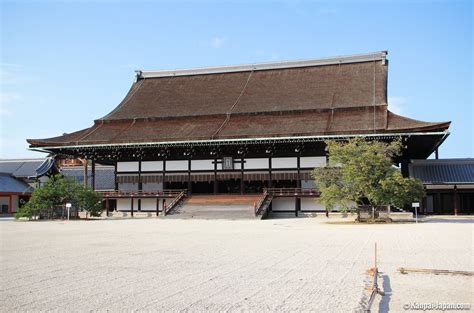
(326, 99)
(448, 171)
(20, 167)
(11, 184)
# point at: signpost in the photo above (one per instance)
(416, 205)
(68, 206)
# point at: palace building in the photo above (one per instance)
(241, 129)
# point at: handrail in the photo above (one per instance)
(138, 194)
(260, 202)
(294, 191)
(175, 201)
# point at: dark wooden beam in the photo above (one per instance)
(93, 174)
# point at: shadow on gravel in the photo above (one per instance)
(384, 304)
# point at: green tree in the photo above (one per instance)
(59, 190)
(362, 170)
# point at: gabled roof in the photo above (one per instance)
(444, 171)
(20, 167)
(332, 96)
(10, 184)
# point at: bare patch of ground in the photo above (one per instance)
(251, 265)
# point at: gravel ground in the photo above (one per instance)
(201, 265)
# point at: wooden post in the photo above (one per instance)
(215, 177)
(86, 174)
(107, 207)
(297, 205)
(164, 174)
(298, 176)
(163, 206)
(93, 174)
(242, 184)
(270, 182)
(10, 204)
(132, 207)
(116, 186)
(140, 185)
(189, 178)
(436, 154)
(157, 206)
(455, 200)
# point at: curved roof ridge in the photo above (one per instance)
(354, 58)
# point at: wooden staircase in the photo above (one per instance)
(217, 207)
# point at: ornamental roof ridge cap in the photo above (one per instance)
(353, 58)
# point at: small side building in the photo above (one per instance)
(449, 185)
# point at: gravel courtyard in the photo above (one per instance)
(197, 265)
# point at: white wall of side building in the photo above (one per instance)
(283, 204)
(202, 165)
(311, 204)
(147, 204)
(127, 166)
(284, 163)
(180, 165)
(252, 164)
(152, 166)
(312, 162)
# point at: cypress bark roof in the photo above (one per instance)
(343, 95)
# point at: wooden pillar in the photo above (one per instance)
(242, 184)
(140, 184)
(107, 207)
(298, 169)
(436, 154)
(157, 206)
(86, 174)
(216, 188)
(404, 168)
(270, 182)
(163, 207)
(131, 207)
(455, 200)
(297, 205)
(93, 174)
(10, 204)
(190, 184)
(116, 186)
(164, 174)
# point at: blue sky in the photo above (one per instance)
(66, 63)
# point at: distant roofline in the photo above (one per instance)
(22, 160)
(442, 161)
(354, 58)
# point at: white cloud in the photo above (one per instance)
(397, 104)
(217, 42)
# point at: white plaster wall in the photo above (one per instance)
(311, 204)
(15, 203)
(284, 163)
(313, 162)
(152, 166)
(283, 204)
(123, 204)
(127, 166)
(148, 204)
(256, 164)
(181, 165)
(198, 165)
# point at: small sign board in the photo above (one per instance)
(415, 204)
(227, 163)
(68, 205)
